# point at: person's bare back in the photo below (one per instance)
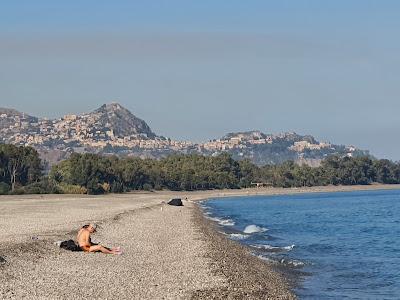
(85, 243)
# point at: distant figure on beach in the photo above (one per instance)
(85, 242)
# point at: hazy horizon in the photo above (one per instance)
(198, 70)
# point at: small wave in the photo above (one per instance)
(213, 218)
(292, 263)
(254, 229)
(222, 222)
(227, 222)
(238, 236)
(267, 259)
(288, 248)
(273, 248)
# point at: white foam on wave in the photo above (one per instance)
(270, 260)
(254, 229)
(288, 248)
(273, 248)
(227, 222)
(222, 222)
(292, 262)
(213, 218)
(287, 262)
(238, 236)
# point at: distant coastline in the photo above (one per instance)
(205, 195)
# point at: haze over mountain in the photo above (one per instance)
(112, 129)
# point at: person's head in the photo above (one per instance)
(92, 228)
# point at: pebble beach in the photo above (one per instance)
(168, 252)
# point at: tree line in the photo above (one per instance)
(19, 166)
(21, 172)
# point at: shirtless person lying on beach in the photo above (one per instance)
(85, 242)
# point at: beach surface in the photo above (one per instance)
(168, 252)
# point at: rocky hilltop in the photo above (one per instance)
(121, 121)
(109, 122)
(112, 129)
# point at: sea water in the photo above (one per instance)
(347, 242)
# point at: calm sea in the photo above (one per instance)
(347, 243)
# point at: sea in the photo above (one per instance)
(344, 245)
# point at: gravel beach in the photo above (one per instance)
(168, 252)
(164, 256)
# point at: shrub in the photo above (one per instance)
(117, 187)
(94, 188)
(147, 187)
(17, 191)
(45, 186)
(72, 189)
(158, 187)
(4, 188)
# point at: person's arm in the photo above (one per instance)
(91, 243)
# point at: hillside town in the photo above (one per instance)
(78, 130)
(113, 129)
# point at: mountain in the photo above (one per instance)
(114, 130)
(262, 148)
(123, 123)
(89, 132)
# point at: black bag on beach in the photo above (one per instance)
(70, 246)
(176, 202)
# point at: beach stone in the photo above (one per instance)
(2, 260)
(176, 202)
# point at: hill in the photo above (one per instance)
(113, 130)
(121, 121)
(262, 148)
(9, 117)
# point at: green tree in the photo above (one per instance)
(19, 165)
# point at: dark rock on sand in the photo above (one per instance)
(2, 260)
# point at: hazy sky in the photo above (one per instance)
(199, 69)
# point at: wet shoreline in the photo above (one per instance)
(248, 277)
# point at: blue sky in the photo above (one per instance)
(199, 69)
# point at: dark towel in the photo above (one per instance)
(70, 245)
